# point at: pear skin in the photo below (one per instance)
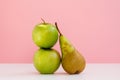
(72, 61)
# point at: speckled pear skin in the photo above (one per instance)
(72, 60)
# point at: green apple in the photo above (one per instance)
(46, 61)
(45, 35)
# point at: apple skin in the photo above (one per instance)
(46, 61)
(45, 35)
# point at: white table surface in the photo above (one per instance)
(94, 71)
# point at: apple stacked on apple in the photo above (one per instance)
(46, 60)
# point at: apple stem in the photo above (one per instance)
(43, 20)
(58, 28)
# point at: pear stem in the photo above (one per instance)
(43, 20)
(58, 28)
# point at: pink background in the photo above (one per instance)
(93, 26)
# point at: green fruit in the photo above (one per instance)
(72, 61)
(45, 35)
(46, 61)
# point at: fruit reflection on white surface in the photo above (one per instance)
(91, 72)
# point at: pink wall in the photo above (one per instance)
(93, 26)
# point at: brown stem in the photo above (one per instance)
(58, 28)
(43, 20)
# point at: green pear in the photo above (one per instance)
(72, 60)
